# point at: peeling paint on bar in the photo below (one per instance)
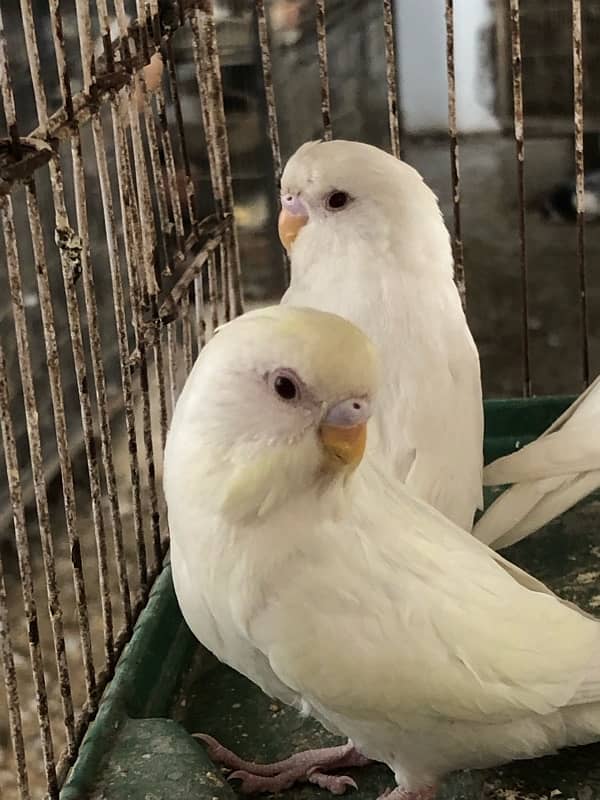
(517, 86)
(391, 71)
(577, 40)
(273, 125)
(323, 69)
(181, 251)
(459, 269)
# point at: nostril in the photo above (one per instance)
(293, 204)
(349, 413)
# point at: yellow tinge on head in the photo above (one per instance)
(333, 356)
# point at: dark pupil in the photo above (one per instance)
(338, 200)
(285, 388)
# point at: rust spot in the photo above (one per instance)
(33, 154)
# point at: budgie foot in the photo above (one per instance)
(426, 793)
(310, 766)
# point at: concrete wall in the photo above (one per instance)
(421, 38)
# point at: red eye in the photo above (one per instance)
(337, 200)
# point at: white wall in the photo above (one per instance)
(421, 43)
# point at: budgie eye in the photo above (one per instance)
(285, 388)
(337, 200)
(286, 385)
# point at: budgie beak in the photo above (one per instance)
(343, 431)
(292, 218)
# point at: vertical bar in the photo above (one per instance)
(186, 334)
(199, 308)
(10, 674)
(120, 315)
(199, 311)
(31, 411)
(14, 485)
(148, 240)
(91, 305)
(69, 245)
(139, 248)
(517, 85)
(147, 230)
(323, 70)
(273, 125)
(174, 90)
(212, 292)
(577, 42)
(136, 220)
(208, 76)
(167, 147)
(162, 335)
(172, 365)
(123, 346)
(132, 237)
(62, 440)
(146, 216)
(459, 269)
(157, 179)
(231, 265)
(159, 368)
(164, 218)
(391, 71)
(37, 464)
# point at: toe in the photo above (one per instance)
(336, 784)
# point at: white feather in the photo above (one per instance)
(549, 475)
(352, 599)
(385, 263)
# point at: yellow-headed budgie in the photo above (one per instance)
(328, 584)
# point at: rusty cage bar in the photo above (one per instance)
(99, 195)
(115, 148)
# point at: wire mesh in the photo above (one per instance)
(108, 261)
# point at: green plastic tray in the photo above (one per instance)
(167, 686)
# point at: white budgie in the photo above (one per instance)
(367, 241)
(549, 475)
(344, 595)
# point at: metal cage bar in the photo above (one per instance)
(517, 86)
(159, 259)
(577, 41)
(391, 73)
(323, 69)
(459, 267)
(273, 125)
(15, 722)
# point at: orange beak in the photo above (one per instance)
(346, 444)
(289, 226)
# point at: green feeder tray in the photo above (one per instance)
(167, 686)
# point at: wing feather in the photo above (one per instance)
(420, 618)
